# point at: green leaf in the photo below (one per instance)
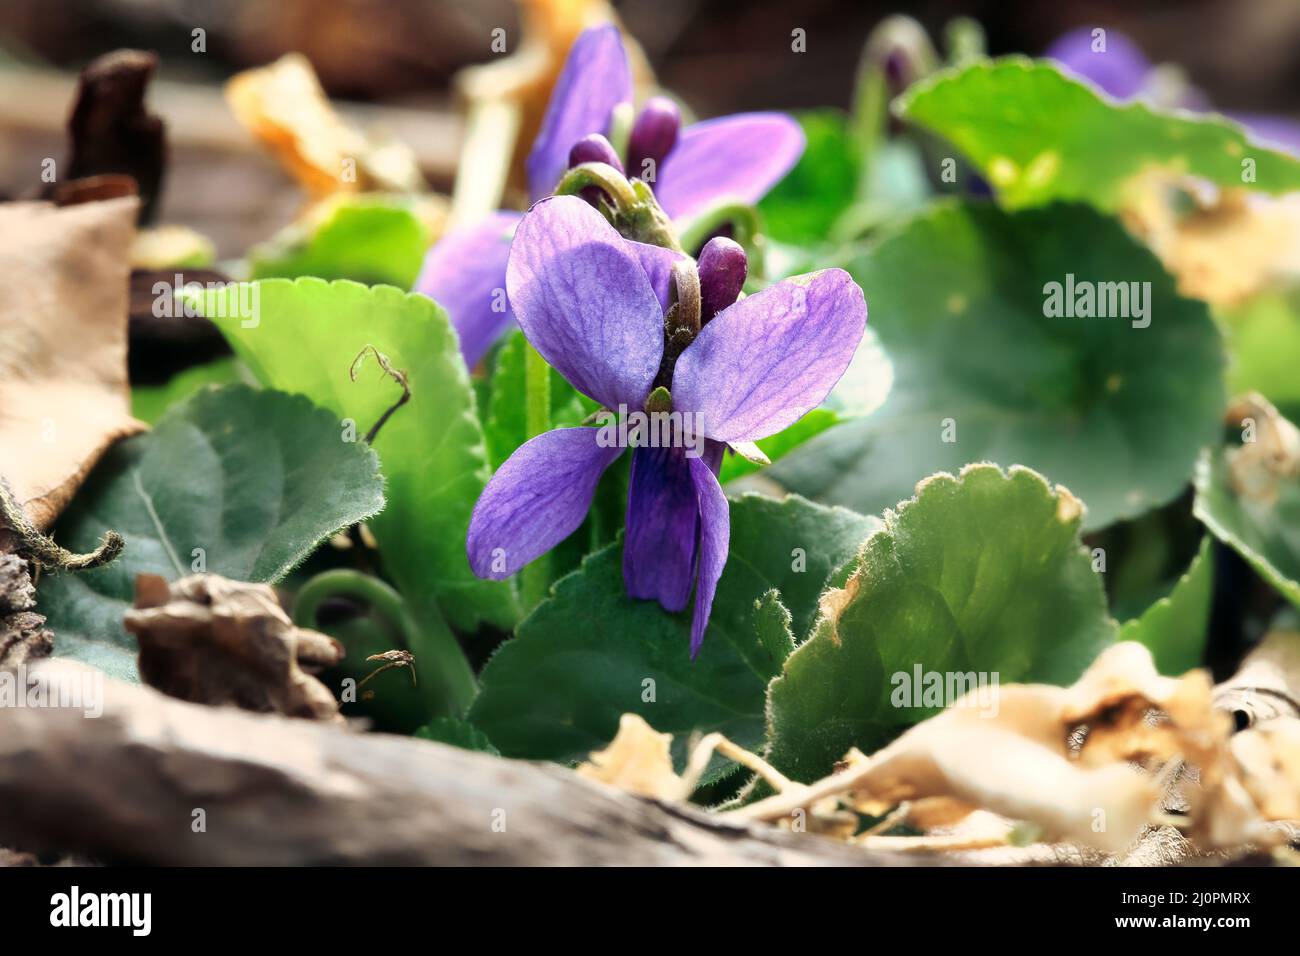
(150, 402)
(256, 479)
(981, 573)
(803, 207)
(1265, 532)
(504, 426)
(307, 336)
(980, 373)
(1263, 336)
(368, 241)
(1039, 136)
(588, 654)
(458, 733)
(1175, 627)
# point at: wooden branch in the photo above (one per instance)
(125, 787)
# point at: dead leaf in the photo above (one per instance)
(111, 131)
(209, 640)
(1257, 468)
(23, 636)
(284, 107)
(1229, 245)
(64, 396)
(1147, 742)
(637, 760)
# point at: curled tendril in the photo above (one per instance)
(396, 374)
(43, 550)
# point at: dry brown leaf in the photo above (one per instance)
(284, 107)
(1097, 789)
(1258, 467)
(209, 640)
(637, 760)
(111, 131)
(1229, 246)
(23, 636)
(64, 396)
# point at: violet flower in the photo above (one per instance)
(1123, 72)
(594, 306)
(734, 158)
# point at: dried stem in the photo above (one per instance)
(43, 550)
(396, 374)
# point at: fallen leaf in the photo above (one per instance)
(1228, 246)
(64, 396)
(1090, 765)
(285, 108)
(23, 636)
(210, 640)
(637, 760)
(110, 130)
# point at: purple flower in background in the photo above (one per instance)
(1123, 71)
(594, 306)
(735, 158)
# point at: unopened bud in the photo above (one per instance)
(594, 149)
(654, 133)
(723, 268)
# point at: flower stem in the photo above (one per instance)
(445, 676)
(743, 221)
(633, 209)
(535, 578)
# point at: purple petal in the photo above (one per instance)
(1121, 70)
(1277, 132)
(764, 362)
(535, 500)
(595, 79)
(584, 301)
(658, 265)
(736, 158)
(662, 519)
(715, 538)
(465, 273)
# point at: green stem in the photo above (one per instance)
(605, 178)
(745, 224)
(632, 210)
(444, 672)
(537, 419)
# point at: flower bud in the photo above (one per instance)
(654, 134)
(723, 267)
(594, 149)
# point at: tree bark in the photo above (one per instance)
(128, 786)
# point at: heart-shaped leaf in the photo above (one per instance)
(978, 579)
(1260, 522)
(366, 240)
(305, 338)
(590, 653)
(987, 369)
(1174, 628)
(234, 481)
(1037, 135)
